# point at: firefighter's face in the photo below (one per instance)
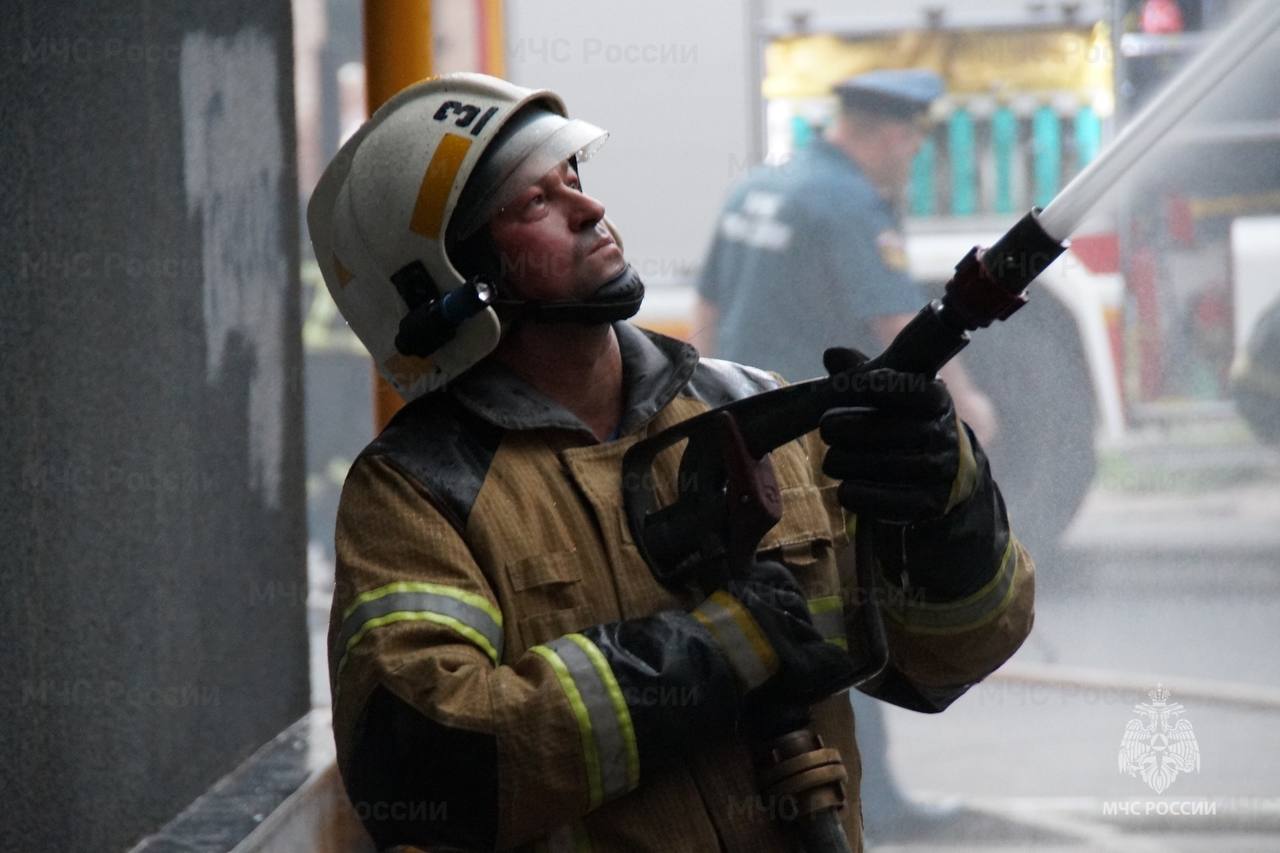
(552, 242)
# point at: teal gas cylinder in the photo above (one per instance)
(1004, 145)
(964, 163)
(1046, 154)
(1088, 136)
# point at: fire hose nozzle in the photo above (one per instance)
(975, 295)
(989, 285)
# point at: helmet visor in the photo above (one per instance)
(530, 145)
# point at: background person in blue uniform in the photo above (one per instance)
(809, 254)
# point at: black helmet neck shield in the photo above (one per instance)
(617, 299)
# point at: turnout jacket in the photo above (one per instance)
(480, 542)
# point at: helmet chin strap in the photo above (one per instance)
(617, 299)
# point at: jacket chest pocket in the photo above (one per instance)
(803, 539)
(549, 596)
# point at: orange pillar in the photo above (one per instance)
(493, 51)
(397, 52)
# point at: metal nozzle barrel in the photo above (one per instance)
(987, 286)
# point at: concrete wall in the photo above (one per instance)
(151, 487)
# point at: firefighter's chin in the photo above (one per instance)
(606, 261)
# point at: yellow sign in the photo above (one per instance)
(973, 62)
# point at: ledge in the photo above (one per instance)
(285, 797)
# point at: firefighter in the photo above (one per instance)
(506, 671)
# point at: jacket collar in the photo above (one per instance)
(654, 369)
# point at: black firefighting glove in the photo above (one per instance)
(917, 478)
(898, 448)
(690, 677)
(762, 623)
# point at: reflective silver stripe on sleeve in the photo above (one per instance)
(467, 614)
(967, 613)
(607, 717)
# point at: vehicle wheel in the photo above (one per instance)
(1256, 385)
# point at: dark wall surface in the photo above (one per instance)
(151, 484)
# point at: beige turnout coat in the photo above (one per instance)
(485, 527)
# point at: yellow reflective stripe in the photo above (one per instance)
(417, 616)
(828, 617)
(437, 184)
(750, 629)
(744, 644)
(595, 786)
(966, 614)
(825, 604)
(966, 479)
(467, 614)
(478, 601)
(609, 730)
(620, 709)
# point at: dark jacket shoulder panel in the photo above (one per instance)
(444, 448)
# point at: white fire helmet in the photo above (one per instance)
(384, 207)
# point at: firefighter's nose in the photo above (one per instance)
(588, 210)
